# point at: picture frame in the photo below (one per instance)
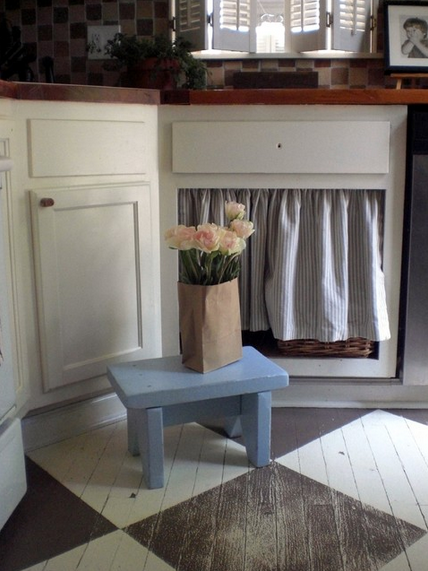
(406, 37)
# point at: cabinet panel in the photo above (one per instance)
(13, 483)
(331, 147)
(80, 148)
(14, 364)
(94, 280)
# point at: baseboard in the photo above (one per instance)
(364, 393)
(64, 422)
(68, 421)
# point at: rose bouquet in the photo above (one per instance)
(210, 254)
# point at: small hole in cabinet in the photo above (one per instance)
(279, 145)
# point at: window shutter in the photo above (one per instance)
(191, 22)
(308, 25)
(233, 25)
(351, 25)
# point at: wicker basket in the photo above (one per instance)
(355, 347)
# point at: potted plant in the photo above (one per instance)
(157, 62)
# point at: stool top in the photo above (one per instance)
(165, 381)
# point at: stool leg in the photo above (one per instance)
(232, 426)
(133, 446)
(256, 426)
(150, 437)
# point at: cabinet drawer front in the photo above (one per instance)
(300, 147)
(86, 148)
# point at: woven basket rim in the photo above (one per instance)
(352, 347)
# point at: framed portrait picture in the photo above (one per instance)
(406, 37)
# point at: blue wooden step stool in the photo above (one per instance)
(163, 392)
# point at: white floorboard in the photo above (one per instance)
(97, 468)
(380, 459)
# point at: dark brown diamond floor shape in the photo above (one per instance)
(274, 519)
(49, 521)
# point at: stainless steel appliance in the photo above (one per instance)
(414, 307)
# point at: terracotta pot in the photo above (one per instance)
(152, 74)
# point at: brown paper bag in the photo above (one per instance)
(210, 325)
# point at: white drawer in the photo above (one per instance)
(300, 147)
(86, 148)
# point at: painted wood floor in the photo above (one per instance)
(347, 491)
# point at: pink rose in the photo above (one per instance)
(207, 237)
(230, 243)
(180, 237)
(243, 228)
(234, 210)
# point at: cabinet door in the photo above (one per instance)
(95, 280)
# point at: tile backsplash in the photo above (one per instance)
(57, 29)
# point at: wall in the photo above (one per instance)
(58, 28)
(332, 73)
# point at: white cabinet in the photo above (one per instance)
(94, 279)
(13, 483)
(306, 147)
(87, 259)
(9, 274)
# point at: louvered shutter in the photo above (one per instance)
(351, 25)
(191, 22)
(233, 25)
(308, 25)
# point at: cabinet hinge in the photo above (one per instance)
(373, 23)
(210, 19)
(172, 24)
(328, 19)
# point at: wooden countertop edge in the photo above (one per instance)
(298, 97)
(8, 89)
(78, 93)
(98, 94)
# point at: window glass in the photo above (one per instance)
(270, 29)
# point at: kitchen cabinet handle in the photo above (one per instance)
(47, 202)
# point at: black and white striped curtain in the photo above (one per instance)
(313, 267)
(1, 354)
